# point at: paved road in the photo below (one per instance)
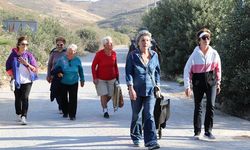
(48, 130)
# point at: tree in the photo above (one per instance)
(174, 25)
(235, 45)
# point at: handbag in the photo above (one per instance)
(121, 101)
(117, 96)
(161, 114)
(157, 89)
(211, 78)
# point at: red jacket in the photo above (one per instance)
(105, 67)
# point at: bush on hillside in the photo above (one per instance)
(89, 37)
(92, 37)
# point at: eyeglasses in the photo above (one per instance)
(24, 44)
(59, 45)
(205, 37)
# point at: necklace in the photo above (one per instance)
(145, 58)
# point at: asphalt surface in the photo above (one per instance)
(47, 129)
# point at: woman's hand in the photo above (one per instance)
(82, 83)
(60, 75)
(49, 79)
(23, 61)
(218, 90)
(188, 92)
(26, 64)
(132, 93)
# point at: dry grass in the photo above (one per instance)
(66, 13)
(77, 14)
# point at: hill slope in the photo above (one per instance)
(76, 14)
(110, 8)
(68, 14)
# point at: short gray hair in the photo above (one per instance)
(143, 33)
(106, 39)
(73, 47)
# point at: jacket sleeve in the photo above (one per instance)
(116, 67)
(129, 69)
(188, 72)
(94, 66)
(157, 72)
(8, 65)
(218, 69)
(80, 71)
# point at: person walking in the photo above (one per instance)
(54, 56)
(69, 69)
(105, 72)
(142, 66)
(22, 67)
(203, 70)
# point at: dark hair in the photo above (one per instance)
(20, 39)
(60, 39)
(201, 31)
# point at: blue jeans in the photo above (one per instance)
(147, 103)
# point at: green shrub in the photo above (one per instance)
(91, 37)
(174, 25)
(235, 55)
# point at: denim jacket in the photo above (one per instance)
(138, 74)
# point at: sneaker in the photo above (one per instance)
(23, 120)
(18, 118)
(60, 111)
(196, 137)
(137, 143)
(72, 118)
(154, 146)
(209, 135)
(106, 115)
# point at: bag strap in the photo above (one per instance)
(151, 77)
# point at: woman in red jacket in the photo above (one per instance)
(105, 72)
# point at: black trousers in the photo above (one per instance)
(54, 92)
(22, 99)
(69, 99)
(200, 86)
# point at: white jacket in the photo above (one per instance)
(200, 63)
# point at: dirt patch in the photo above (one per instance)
(242, 137)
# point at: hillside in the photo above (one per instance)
(107, 13)
(67, 14)
(132, 18)
(110, 8)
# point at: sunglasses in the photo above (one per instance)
(59, 45)
(24, 44)
(205, 37)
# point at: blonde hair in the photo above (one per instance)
(143, 33)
